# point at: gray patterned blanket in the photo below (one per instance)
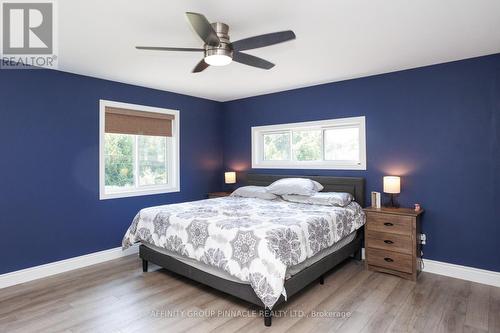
(254, 240)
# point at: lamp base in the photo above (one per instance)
(230, 187)
(392, 202)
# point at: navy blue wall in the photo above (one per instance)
(438, 127)
(49, 182)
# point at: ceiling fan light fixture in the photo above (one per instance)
(218, 60)
(218, 48)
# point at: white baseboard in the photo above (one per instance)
(462, 272)
(9, 279)
(459, 272)
(38, 272)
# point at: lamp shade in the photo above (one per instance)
(230, 177)
(392, 184)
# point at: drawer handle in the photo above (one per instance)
(388, 259)
(389, 224)
(388, 241)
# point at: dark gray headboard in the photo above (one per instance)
(353, 185)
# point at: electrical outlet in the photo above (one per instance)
(423, 239)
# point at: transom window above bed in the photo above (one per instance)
(139, 150)
(325, 144)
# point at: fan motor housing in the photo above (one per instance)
(224, 47)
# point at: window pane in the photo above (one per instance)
(277, 147)
(119, 161)
(342, 144)
(306, 145)
(152, 160)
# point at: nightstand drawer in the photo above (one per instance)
(391, 260)
(388, 241)
(395, 224)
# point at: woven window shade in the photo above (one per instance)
(124, 121)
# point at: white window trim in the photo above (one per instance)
(258, 146)
(174, 169)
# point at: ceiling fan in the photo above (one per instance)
(219, 50)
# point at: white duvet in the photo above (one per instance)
(254, 240)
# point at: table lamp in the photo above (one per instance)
(230, 177)
(392, 186)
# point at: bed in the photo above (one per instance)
(261, 251)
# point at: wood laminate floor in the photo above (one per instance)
(117, 297)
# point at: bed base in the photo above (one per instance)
(243, 291)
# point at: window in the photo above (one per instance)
(326, 144)
(139, 150)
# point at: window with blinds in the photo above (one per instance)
(138, 150)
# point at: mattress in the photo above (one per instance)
(291, 271)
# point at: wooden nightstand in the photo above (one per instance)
(214, 195)
(392, 242)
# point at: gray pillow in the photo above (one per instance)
(339, 199)
(253, 192)
(300, 186)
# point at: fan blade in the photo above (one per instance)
(263, 40)
(202, 65)
(159, 48)
(251, 60)
(203, 28)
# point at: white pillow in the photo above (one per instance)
(300, 186)
(253, 192)
(317, 186)
(339, 199)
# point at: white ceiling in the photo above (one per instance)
(336, 40)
